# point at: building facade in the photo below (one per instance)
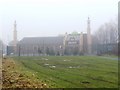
(69, 44)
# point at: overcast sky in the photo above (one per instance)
(36, 18)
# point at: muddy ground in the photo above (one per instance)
(13, 78)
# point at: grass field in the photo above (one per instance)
(71, 71)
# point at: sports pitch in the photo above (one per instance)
(72, 71)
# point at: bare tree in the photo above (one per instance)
(106, 35)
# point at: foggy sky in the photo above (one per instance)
(36, 18)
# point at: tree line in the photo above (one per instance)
(106, 38)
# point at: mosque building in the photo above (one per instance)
(69, 44)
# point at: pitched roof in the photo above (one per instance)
(42, 40)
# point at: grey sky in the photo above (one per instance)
(53, 17)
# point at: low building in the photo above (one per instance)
(68, 44)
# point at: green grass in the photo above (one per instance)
(112, 56)
(72, 71)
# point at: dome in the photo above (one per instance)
(75, 33)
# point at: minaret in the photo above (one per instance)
(15, 37)
(89, 41)
(64, 42)
(81, 42)
(65, 37)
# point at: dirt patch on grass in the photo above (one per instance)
(13, 78)
(0, 73)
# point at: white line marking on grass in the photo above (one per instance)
(66, 60)
(74, 67)
(46, 64)
(52, 66)
(44, 59)
(70, 67)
